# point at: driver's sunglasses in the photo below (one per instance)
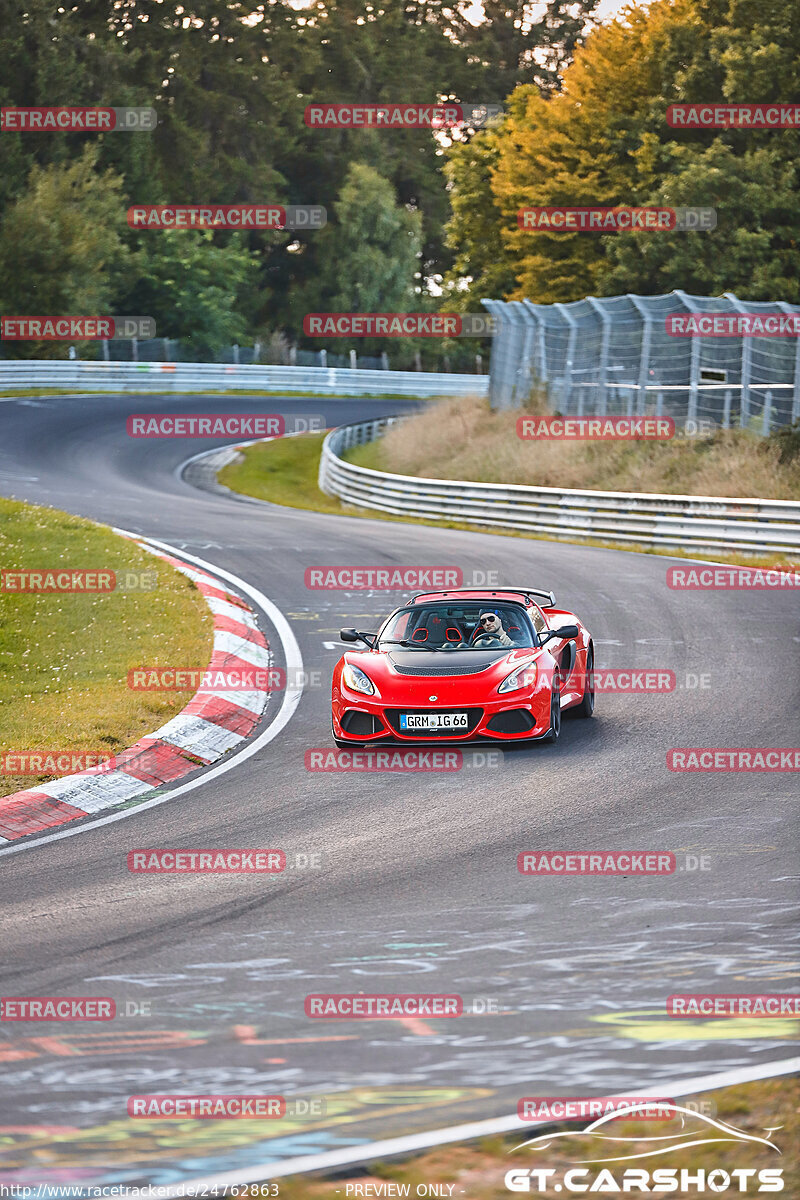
(488, 620)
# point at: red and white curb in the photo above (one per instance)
(213, 723)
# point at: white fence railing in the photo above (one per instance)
(690, 522)
(616, 355)
(82, 376)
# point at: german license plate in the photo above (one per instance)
(429, 722)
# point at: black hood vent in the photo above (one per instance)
(443, 662)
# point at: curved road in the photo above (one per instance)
(417, 887)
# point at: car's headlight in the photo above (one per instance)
(523, 677)
(357, 681)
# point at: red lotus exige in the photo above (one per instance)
(474, 664)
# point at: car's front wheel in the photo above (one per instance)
(555, 710)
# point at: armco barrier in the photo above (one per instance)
(690, 522)
(160, 377)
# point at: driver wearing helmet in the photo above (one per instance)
(492, 631)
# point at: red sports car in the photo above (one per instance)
(474, 664)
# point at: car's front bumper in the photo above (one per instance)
(503, 719)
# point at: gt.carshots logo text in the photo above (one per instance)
(227, 216)
(726, 758)
(57, 1008)
(405, 324)
(675, 1181)
(549, 428)
(353, 579)
(383, 1007)
(71, 119)
(75, 329)
(399, 116)
(596, 862)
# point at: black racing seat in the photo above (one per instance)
(436, 630)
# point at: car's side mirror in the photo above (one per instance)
(566, 631)
(352, 635)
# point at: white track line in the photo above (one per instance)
(291, 698)
(414, 1142)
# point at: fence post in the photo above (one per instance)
(235, 348)
(417, 361)
(644, 352)
(293, 356)
(384, 361)
(746, 364)
(165, 349)
(256, 351)
(106, 355)
(353, 360)
(767, 414)
(499, 392)
(726, 410)
(694, 369)
(566, 381)
(523, 373)
(134, 350)
(323, 358)
(603, 371)
(478, 364)
(790, 309)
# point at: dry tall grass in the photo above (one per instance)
(463, 439)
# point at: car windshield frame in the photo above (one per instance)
(528, 627)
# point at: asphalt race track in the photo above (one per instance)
(417, 887)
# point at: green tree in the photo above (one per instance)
(369, 255)
(513, 48)
(481, 265)
(61, 247)
(193, 287)
(753, 251)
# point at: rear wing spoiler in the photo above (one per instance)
(547, 599)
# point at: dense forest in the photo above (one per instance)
(418, 220)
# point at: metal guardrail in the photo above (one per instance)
(690, 522)
(82, 376)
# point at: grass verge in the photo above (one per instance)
(285, 472)
(64, 658)
(477, 1169)
(464, 439)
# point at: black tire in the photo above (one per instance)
(555, 711)
(586, 706)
